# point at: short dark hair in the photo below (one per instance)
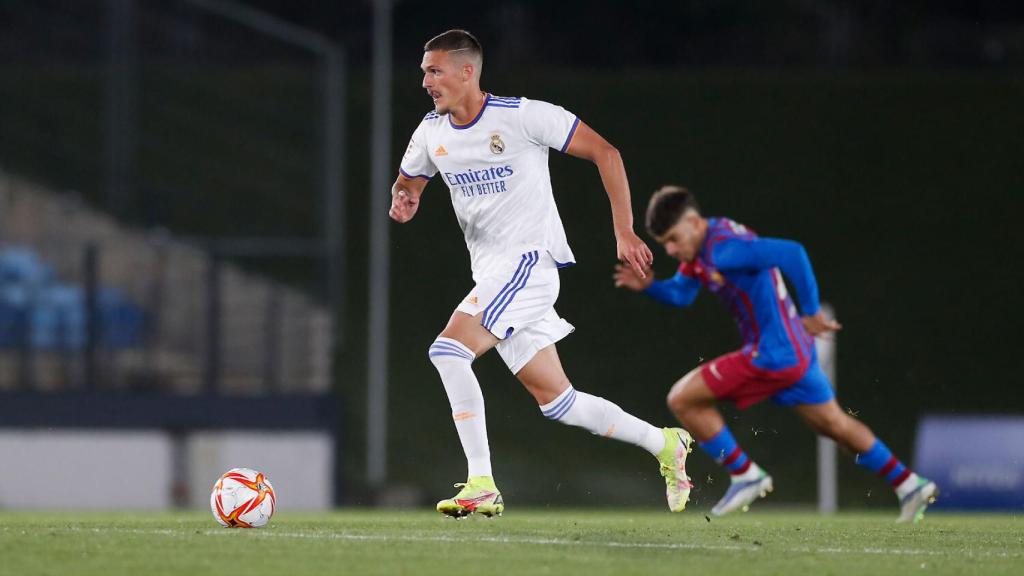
(666, 207)
(453, 40)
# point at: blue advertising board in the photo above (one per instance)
(977, 461)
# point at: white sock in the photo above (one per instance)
(454, 363)
(603, 418)
(753, 473)
(907, 486)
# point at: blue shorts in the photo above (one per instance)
(736, 378)
(813, 388)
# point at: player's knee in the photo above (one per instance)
(547, 392)
(672, 401)
(445, 351)
(678, 400)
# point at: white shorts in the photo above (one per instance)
(518, 307)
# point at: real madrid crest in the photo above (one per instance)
(497, 146)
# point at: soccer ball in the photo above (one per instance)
(243, 498)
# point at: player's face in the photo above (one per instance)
(683, 240)
(443, 80)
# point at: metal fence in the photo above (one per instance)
(206, 118)
(85, 305)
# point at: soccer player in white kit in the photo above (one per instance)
(492, 153)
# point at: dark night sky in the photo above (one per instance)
(602, 34)
(696, 32)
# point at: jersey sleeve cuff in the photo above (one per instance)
(408, 175)
(811, 311)
(572, 133)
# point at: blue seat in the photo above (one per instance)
(12, 324)
(22, 266)
(58, 318)
(54, 314)
(123, 322)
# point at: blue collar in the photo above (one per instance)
(487, 98)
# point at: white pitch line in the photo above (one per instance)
(545, 542)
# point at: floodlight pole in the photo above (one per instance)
(380, 265)
(121, 113)
(828, 475)
(333, 165)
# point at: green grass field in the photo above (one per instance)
(522, 542)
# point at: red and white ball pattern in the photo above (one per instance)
(243, 498)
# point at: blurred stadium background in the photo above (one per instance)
(192, 245)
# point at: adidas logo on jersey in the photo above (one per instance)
(440, 151)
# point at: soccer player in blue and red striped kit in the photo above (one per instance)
(778, 358)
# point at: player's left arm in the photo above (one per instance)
(589, 145)
(679, 290)
(788, 256)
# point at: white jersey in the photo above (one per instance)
(496, 168)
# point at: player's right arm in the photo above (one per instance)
(405, 197)
(679, 290)
(415, 171)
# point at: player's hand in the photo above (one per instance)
(633, 251)
(403, 206)
(820, 324)
(626, 277)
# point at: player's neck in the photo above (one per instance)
(469, 107)
(703, 232)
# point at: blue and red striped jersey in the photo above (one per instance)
(746, 273)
